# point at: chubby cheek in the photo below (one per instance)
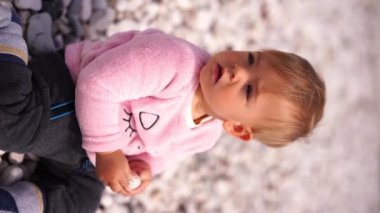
(223, 104)
(203, 77)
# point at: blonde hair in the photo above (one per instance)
(304, 89)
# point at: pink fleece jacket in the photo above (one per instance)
(134, 92)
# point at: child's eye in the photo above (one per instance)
(248, 92)
(251, 59)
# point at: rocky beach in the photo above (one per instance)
(335, 170)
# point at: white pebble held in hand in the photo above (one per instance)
(134, 182)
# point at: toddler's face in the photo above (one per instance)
(241, 87)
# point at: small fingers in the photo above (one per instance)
(122, 187)
(116, 187)
(124, 184)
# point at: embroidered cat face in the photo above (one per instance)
(147, 121)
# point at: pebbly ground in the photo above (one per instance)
(334, 170)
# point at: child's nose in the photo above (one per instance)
(236, 73)
(231, 71)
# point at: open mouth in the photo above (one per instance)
(218, 72)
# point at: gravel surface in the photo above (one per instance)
(335, 170)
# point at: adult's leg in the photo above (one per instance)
(62, 139)
(22, 104)
(67, 189)
(33, 99)
(27, 122)
(21, 197)
(54, 187)
(30, 121)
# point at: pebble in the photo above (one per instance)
(66, 3)
(99, 4)
(39, 33)
(91, 33)
(101, 19)
(106, 201)
(35, 5)
(116, 208)
(75, 7)
(86, 11)
(74, 12)
(15, 158)
(5, 13)
(185, 4)
(11, 175)
(203, 20)
(76, 25)
(133, 5)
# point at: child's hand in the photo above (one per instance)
(113, 170)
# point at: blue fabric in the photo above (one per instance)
(11, 58)
(16, 18)
(85, 166)
(7, 202)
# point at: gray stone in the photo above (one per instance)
(101, 19)
(99, 4)
(39, 33)
(75, 7)
(35, 5)
(11, 175)
(76, 25)
(15, 158)
(66, 3)
(86, 11)
(106, 201)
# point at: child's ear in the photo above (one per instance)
(243, 132)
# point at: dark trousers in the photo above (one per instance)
(36, 116)
(66, 189)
